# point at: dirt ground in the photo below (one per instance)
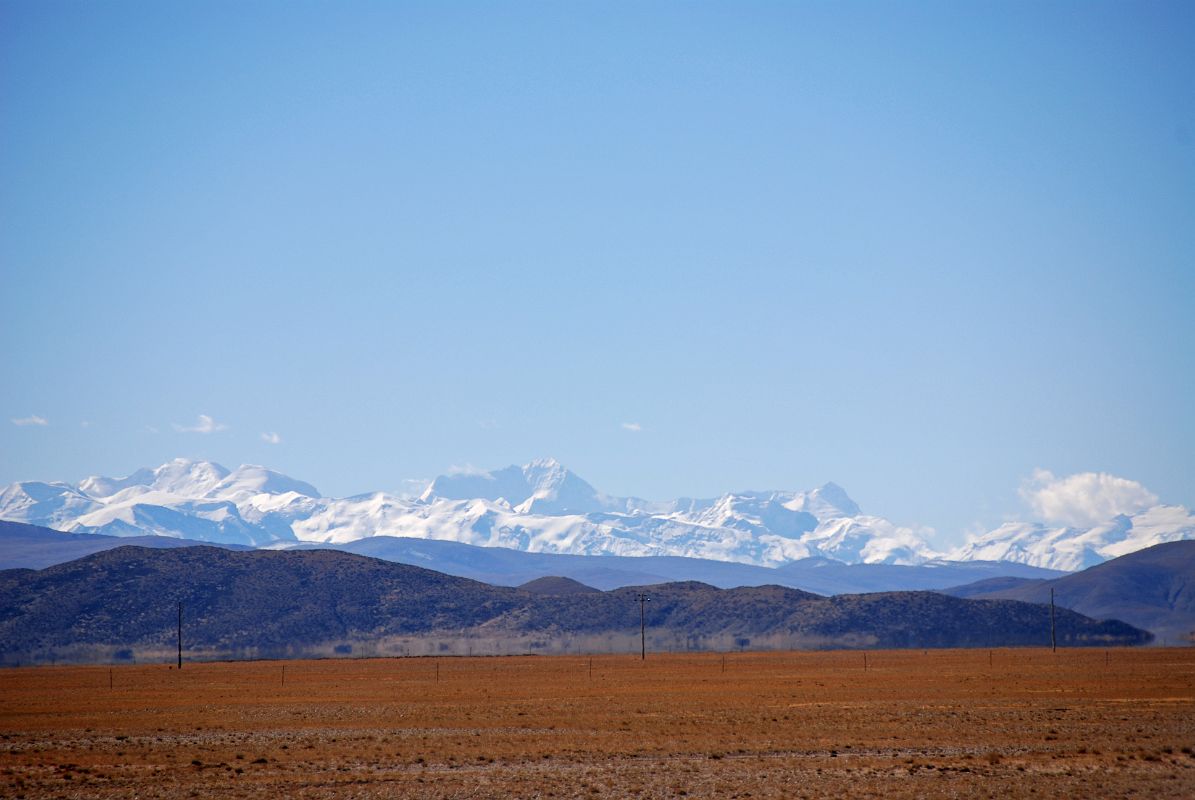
(959, 723)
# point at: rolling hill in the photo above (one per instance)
(286, 603)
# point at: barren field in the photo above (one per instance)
(1006, 723)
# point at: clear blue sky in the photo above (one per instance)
(919, 249)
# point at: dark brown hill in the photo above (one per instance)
(269, 603)
(556, 585)
(1152, 589)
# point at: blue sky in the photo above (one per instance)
(917, 249)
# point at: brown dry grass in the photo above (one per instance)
(936, 724)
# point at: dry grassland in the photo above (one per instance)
(913, 724)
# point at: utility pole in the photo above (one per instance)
(1053, 636)
(180, 634)
(642, 598)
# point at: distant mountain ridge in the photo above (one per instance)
(280, 604)
(27, 546)
(542, 507)
(506, 567)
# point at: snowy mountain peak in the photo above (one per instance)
(546, 474)
(193, 478)
(99, 486)
(542, 486)
(509, 483)
(248, 480)
(829, 498)
(556, 490)
(188, 477)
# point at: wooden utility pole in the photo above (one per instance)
(642, 598)
(180, 634)
(1053, 634)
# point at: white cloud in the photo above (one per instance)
(85, 423)
(271, 438)
(465, 469)
(205, 425)
(633, 427)
(1084, 499)
(32, 419)
(411, 488)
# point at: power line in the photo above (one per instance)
(642, 598)
(1053, 635)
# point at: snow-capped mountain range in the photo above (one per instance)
(543, 507)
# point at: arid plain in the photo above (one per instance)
(974, 723)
